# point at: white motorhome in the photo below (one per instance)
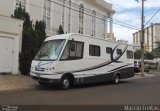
(75, 59)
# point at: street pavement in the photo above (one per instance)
(20, 82)
(137, 90)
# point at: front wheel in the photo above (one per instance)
(65, 83)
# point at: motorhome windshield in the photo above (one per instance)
(50, 50)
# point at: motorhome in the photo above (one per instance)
(70, 59)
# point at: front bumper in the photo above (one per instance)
(46, 78)
(48, 81)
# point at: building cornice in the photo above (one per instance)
(107, 6)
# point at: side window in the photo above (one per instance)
(119, 51)
(73, 51)
(94, 50)
(108, 50)
(129, 55)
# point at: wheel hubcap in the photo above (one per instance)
(116, 79)
(66, 83)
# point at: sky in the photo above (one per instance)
(129, 12)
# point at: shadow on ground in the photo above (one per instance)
(81, 86)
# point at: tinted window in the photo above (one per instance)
(73, 51)
(129, 55)
(94, 50)
(109, 50)
(119, 51)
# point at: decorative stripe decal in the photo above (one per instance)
(103, 64)
(119, 68)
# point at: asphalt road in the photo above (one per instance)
(141, 91)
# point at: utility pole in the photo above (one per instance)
(142, 41)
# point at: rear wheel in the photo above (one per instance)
(43, 83)
(116, 79)
(65, 83)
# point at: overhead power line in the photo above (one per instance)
(122, 9)
(153, 16)
(122, 23)
(116, 22)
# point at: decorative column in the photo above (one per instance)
(69, 18)
(111, 23)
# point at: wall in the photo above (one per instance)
(7, 7)
(12, 28)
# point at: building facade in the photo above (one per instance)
(90, 17)
(151, 35)
(10, 44)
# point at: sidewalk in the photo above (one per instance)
(14, 82)
(154, 72)
(138, 76)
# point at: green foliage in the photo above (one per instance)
(146, 70)
(40, 32)
(32, 39)
(147, 55)
(137, 54)
(156, 51)
(60, 30)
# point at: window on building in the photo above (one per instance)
(69, 18)
(94, 50)
(73, 51)
(47, 12)
(137, 38)
(108, 50)
(104, 22)
(147, 36)
(119, 51)
(81, 18)
(23, 3)
(93, 22)
(63, 13)
(129, 54)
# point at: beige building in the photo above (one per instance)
(151, 35)
(90, 17)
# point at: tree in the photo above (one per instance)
(32, 38)
(147, 55)
(60, 30)
(156, 51)
(137, 54)
(40, 31)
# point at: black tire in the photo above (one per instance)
(116, 79)
(65, 83)
(43, 83)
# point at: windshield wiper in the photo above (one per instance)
(46, 55)
(43, 55)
